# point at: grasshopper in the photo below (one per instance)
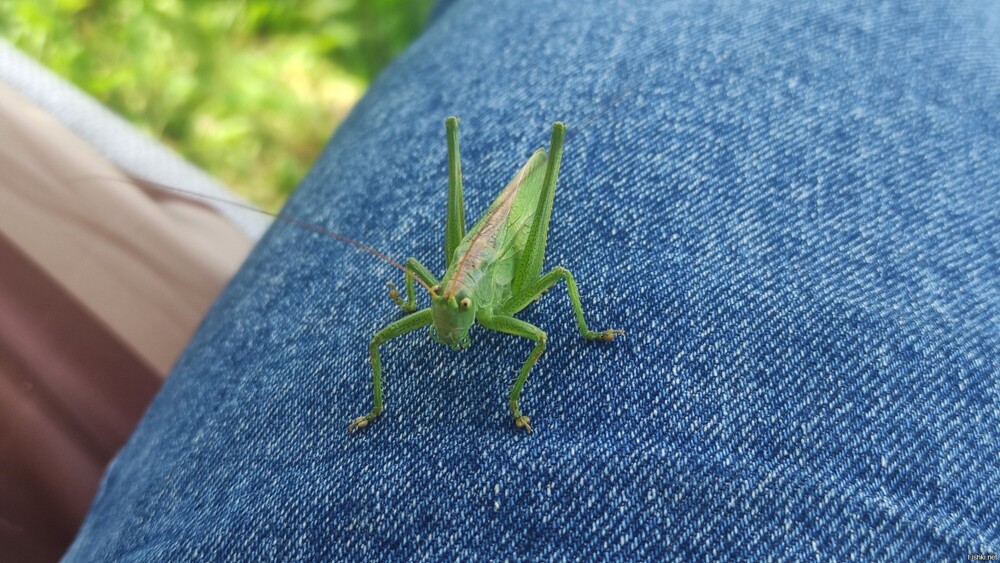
(493, 271)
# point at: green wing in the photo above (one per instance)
(484, 261)
(518, 227)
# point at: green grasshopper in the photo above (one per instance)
(493, 271)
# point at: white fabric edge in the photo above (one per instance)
(116, 139)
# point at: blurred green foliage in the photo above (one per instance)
(248, 89)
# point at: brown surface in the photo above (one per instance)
(70, 393)
(102, 284)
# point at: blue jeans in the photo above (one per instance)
(793, 212)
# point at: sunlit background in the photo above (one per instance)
(247, 89)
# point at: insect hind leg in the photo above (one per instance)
(454, 230)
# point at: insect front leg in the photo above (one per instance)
(402, 326)
(425, 275)
(517, 327)
(535, 290)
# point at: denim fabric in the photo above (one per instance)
(794, 214)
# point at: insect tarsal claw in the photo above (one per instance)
(523, 422)
(610, 334)
(358, 423)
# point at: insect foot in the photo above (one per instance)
(605, 335)
(394, 295)
(609, 335)
(523, 422)
(361, 422)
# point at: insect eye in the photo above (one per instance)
(465, 303)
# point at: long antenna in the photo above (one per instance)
(290, 219)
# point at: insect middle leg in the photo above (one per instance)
(535, 290)
(425, 275)
(402, 326)
(517, 327)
